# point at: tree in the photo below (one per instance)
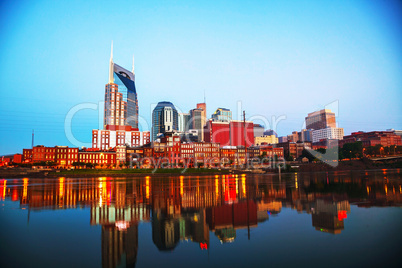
(289, 158)
(352, 150)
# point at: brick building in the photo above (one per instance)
(384, 138)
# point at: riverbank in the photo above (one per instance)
(361, 164)
(352, 165)
(85, 173)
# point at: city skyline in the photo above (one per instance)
(356, 63)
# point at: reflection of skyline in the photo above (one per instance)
(189, 208)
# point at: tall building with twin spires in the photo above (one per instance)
(120, 123)
(121, 104)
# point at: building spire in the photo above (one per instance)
(133, 65)
(111, 66)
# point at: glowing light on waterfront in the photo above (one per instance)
(243, 185)
(237, 186)
(122, 225)
(4, 189)
(181, 185)
(100, 193)
(147, 187)
(25, 189)
(61, 187)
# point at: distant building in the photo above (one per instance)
(321, 119)
(384, 138)
(196, 121)
(306, 135)
(294, 137)
(328, 133)
(184, 119)
(270, 132)
(265, 139)
(203, 107)
(294, 149)
(258, 130)
(230, 134)
(396, 132)
(282, 139)
(222, 115)
(164, 119)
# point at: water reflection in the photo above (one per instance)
(193, 208)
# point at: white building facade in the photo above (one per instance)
(328, 133)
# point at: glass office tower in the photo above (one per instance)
(164, 119)
(125, 81)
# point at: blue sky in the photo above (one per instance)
(276, 57)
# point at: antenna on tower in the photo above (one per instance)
(133, 64)
(33, 135)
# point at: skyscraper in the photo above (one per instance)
(320, 119)
(184, 118)
(196, 122)
(203, 107)
(120, 124)
(164, 119)
(121, 104)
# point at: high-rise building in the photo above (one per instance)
(121, 104)
(320, 119)
(164, 119)
(306, 135)
(120, 127)
(203, 107)
(195, 122)
(184, 119)
(222, 115)
(258, 130)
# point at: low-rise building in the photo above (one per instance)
(63, 156)
(384, 138)
(98, 157)
(271, 139)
